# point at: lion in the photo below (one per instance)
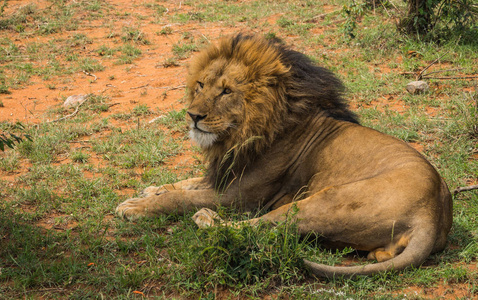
(276, 132)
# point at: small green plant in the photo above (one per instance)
(170, 62)
(4, 86)
(141, 110)
(9, 163)
(2, 7)
(166, 30)
(4, 89)
(132, 34)
(79, 157)
(129, 54)
(94, 5)
(79, 40)
(105, 51)
(352, 14)
(284, 22)
(90, 65)
(9, 139)
(98, 103)
(182, 50)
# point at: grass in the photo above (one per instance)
(58, 235)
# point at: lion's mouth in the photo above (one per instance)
(196, 128)
(203, 138)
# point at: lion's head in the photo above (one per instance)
(248, 91)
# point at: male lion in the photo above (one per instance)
(276, 132)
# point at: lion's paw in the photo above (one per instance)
(133, 209)
(206, 218)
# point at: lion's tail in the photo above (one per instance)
(418, 249)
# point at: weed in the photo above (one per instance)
(352, 13)
(79, 157)
(284, 22)
(90, 65)
(4, 88)
(174, 120)
(182, 50)
(9, 163)
(13, 134)
(105, 51)
(132, 34)
(166, 30)
(141, 110)
(98, 103)
(129, 54)
(170, 62)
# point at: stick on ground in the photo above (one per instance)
(465, 188)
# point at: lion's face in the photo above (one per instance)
(217, 106)
(236, 95)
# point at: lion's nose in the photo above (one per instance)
(196, 118)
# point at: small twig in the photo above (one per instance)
(113, 104)
(419, 77)
(70, 115)
(45, 290)
(440, 71)
(458, 77)
(384, 7)
(138, 87)
(409, 73)
(26, 110)
(322, 16)
(205, 38)
(157, 118)
(465, 188)
(169, 88)
(90, 74)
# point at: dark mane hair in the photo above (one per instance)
(310, 86)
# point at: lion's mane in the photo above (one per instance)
(285, 88)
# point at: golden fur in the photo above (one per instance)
(273, 125)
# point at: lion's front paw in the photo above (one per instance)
(133, 209)
(206, 218)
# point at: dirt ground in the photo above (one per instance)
(147, 81)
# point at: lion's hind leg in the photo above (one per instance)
(391, 250)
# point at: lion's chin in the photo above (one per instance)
(203, 139)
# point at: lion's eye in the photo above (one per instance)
(201, 85)
(226, 91)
